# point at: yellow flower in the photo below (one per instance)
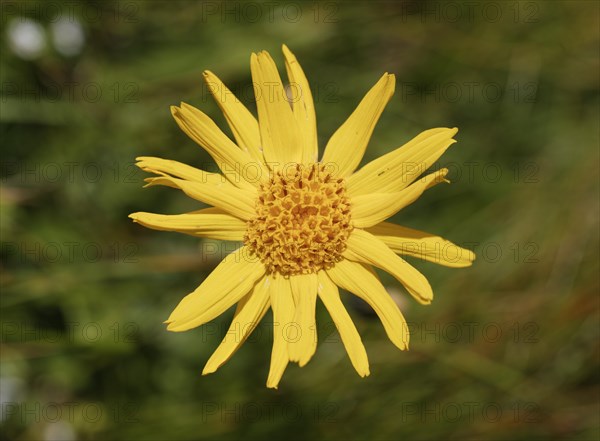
(307, 226)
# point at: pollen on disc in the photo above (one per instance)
(302, 221)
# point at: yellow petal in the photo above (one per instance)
(282, 302)
(203, 223)
(398, 169)
(365, 248)
(355, 278)
(161, 166)
(303, 107)
(233, 278)
(371, 209)
(347, 146)
(242, 123)
(235, 201)
(237, 165)
(426, 246)
(250, 311)
(330, 296)
(279, 132)
(304, 290)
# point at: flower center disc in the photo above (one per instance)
(302, 221)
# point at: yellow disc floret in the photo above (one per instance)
(302, 221)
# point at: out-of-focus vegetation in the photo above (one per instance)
(509, 347)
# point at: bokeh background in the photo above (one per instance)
(509, 347)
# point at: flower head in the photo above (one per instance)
(307, 226)
(302, 221)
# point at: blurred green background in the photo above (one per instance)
(508, 349)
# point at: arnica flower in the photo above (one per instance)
(305, 226)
